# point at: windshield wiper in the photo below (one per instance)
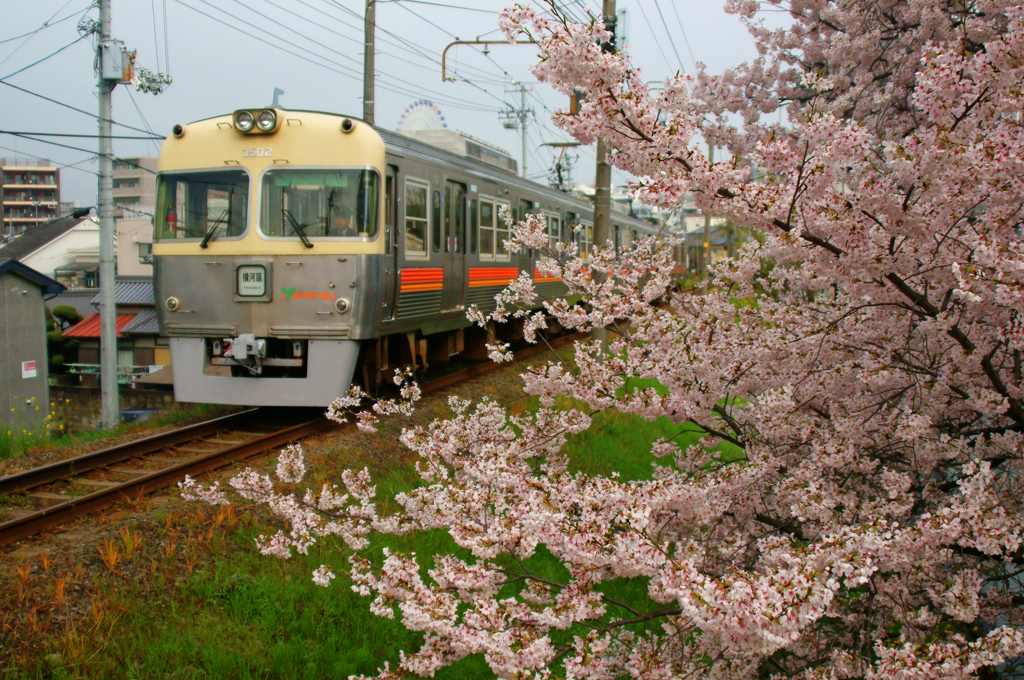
(300, 229)
(209, 234)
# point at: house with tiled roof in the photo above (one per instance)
(140, 347)
(65, 249)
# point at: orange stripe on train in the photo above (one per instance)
(412, 287)
(537, 278)
(422, 275)
(493, 273)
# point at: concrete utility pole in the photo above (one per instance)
(512, 118)
(706, 250)
(116, 65)
(603, 176)
(369, 25)
(108, 309)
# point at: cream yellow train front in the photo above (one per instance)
(267, 252)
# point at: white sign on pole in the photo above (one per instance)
(28, 369)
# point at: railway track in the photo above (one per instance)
(138, 468)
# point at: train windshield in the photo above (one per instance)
(197, 205)
(313, 204)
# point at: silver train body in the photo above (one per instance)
(277, 307)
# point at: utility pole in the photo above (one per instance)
(706, 250)
(369, 25)
(603, 176)
(512, 118)
(116, 65)
(108, 80)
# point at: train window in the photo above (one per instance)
(568, 227)
(315, 204)
(415, 218)
(389, 211)
(586, 239)
(501, 235)
(487, 216)
(435, 220)
(472, 226)
(554, 231)
(194, 204)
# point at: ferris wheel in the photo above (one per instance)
(421, 115)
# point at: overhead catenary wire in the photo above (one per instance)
(349, 74)
(61, 166)
(156, 40)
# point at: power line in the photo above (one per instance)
(671, 40)
(441, 4)
(682, 30)
(51, 54)
(46, 25)
(655, 37)
(76, 148)
(354, 75)
(156, 40)
(62, 134)
(68, 106)
(145, 122)
(33, 33)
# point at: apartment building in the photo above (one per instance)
(30, 193)
(134, 187)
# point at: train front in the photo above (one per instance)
(266, 244)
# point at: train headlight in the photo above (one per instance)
(342, 305)
(172, 303)
(266, 120)
(244, 121)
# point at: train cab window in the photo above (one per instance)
(472, 226)
(435, 220)
(415, 218)
(317, 204)
(192, 205)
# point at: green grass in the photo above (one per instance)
(211, 606)
(21, 438)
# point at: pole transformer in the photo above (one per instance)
(369, 25)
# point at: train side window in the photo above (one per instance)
(472, 226)
(435, 220)
(389, 211)
(586, 239)
(554, 231)
(568, 227)
(501, 235)
(416, 218)
(486, 224)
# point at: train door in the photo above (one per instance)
(389, 263)
(454, 245)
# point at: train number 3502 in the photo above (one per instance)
(258, 152)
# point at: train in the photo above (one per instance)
(298, 252)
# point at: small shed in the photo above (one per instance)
(23, 360)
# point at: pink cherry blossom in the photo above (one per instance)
(860, 359)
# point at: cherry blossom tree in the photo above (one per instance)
(863, 355)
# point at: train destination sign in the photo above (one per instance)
(252, 280)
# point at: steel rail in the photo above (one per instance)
(26, 525)
(45, 518)
(27, 479)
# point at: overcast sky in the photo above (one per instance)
(217, 68)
